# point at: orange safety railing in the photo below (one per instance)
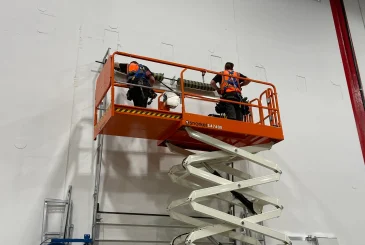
(261, 114)
(106, 81)
(270, 98)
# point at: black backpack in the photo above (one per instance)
(220, 107)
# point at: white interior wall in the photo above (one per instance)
(48, 52)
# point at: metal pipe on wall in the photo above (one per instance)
(142, 225)
(146, 214)
(350, 66)
(99, 149)
(150, 241)
(97, 182)
(100, 142)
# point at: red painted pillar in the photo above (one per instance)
(354, 83)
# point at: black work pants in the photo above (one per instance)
(139, 96)
(233, 111)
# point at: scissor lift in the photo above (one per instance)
(219, 141)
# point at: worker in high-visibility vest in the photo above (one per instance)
(141, 75)
(230, 89)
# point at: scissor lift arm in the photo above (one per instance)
(201, 166)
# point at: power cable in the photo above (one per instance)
(173, 241)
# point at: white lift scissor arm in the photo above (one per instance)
(204, 166)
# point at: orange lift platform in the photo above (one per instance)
(222, 141)
(262, 126)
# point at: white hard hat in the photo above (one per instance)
(171, 99)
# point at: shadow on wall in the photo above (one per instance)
(79, 151)
(135, 174)
(135, 177)
(137, 181)
(294, 190)
(48, 151)
(82, 147)
(131, 180)
(46, 181)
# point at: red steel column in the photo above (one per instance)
(354, 83)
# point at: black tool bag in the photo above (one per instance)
(245, 109)
(220, 107)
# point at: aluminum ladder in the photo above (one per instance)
(202, 166)
(58, 206)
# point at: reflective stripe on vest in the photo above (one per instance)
(230, 84)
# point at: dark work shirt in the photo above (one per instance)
(218, 78)
(123, 67)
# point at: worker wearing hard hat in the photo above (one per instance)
(141, 75)
(230, 89)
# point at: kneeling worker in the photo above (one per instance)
(141, 75)
(230, 89)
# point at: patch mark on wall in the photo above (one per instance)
(216, 63)
(80, 45)
(338, 86)
(45, 23)
(44, 11)
(19, 143)
(261, 73)
(113, 27)
(167, 51)
(111, 40)
(49, 7)
(301, 83)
